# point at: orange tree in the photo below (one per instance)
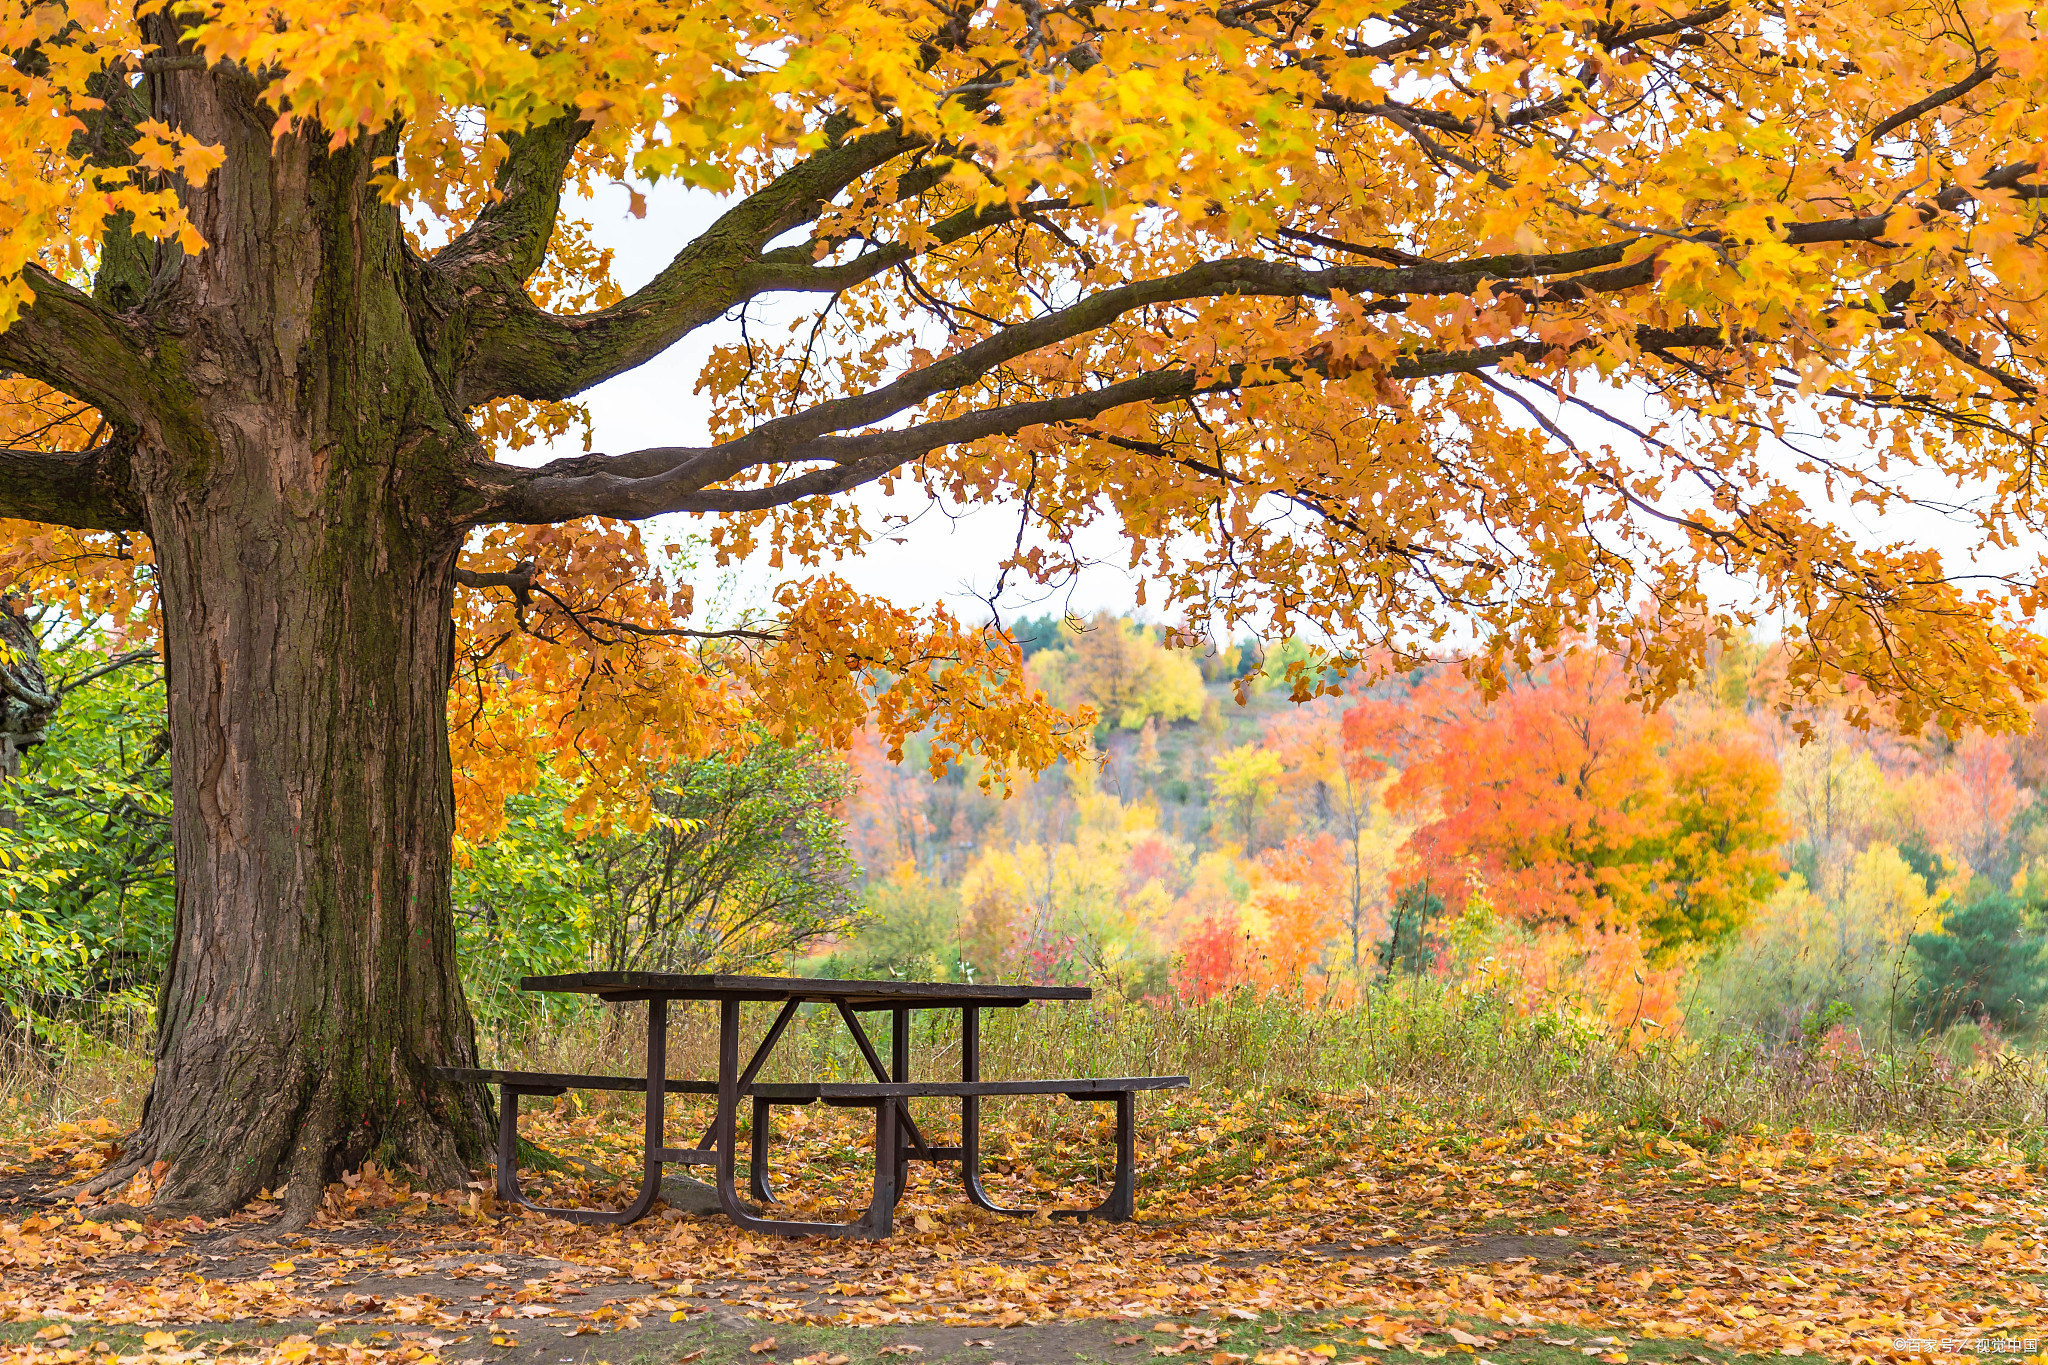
(1327, 302)
(1571, 805)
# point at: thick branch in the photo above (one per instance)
(79, 347)
(509, 239)
(90, 489)
(515, 349)
(107, 140)
(597, 488)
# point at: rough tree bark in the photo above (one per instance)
(290, 473)
(25, 706)
(25, 700)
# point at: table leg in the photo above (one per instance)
(508, 1144)
(657, 1105)
(899, 1069)
(757, 1173)
(970, 1115)
(1122, 1204)
(650, 1161)
(768, 1042)
(757, 1168)
(875, 1223)
(1119, 1207)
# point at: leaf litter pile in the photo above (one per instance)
(1271, 1230)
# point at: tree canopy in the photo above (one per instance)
(1330, 304)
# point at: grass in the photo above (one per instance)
(1414, 1046)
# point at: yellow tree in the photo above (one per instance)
(1119, 669)
(1245, 780)
(1296, 290)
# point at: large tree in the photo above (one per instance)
(1379, 318)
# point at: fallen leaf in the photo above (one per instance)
(762, 1346)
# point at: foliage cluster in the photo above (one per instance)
(740, 860)
(85, 842)
(1553, 847)
(1722, 866)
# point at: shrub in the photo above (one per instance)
(1983, 967)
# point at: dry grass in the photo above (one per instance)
(1415, 1047)
(102, 1072)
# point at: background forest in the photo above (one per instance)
(1721, 868)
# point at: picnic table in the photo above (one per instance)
(898, 1141)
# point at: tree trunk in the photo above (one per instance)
(313, 981)
(305, 557)
(25, 700)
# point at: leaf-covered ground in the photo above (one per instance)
(1272, 1230)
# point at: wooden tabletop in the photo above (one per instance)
(860, 995)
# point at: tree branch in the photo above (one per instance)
(595, 489)
(80, 347)
(509, 239)
(64, 687)
(90, 489)
(524, 584)
(515, 350)
(1985, 71)
(107, 139)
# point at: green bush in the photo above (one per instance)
(85, 871)
(1983, 967)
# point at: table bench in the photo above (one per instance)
(896, 1133)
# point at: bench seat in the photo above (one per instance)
(554, 1083)
(808, 1092)
(867, 1092)
(895, 1132)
